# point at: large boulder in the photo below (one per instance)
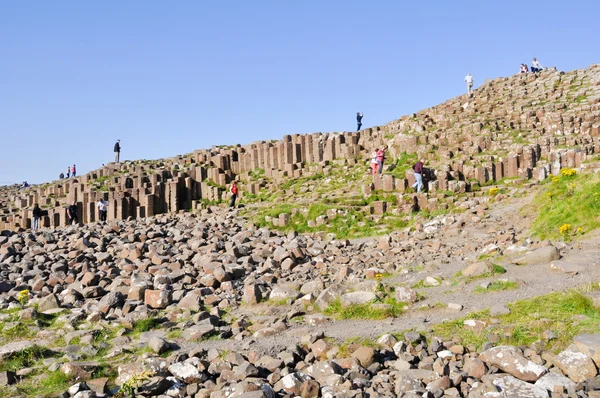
(511, 360)
(589, 344)
(357, 298)
(542, 255)
(576, 365)
(478, 268)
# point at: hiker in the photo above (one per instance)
(68, 171)
(374, 163)
(234, 193)
(73, 171)
(380, 159)
(418, 171)
(536, 66)
(37, 214)
(102, 209)
(359, 117)
(117, 151)
(61, 176)
(469, 80)
(72, 213)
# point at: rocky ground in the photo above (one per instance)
(208, 305)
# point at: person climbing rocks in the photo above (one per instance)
(418, 171)
(469, 80)
(359, 117)
(102, 209)
(37, 214)
(536, 66)
(72, 213)
(117, 151)
(380, 159)
(233, 189)
(73, 171)
(374, 163)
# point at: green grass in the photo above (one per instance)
(421, 284)
(145, 325)
(560, 312)
(50, 385)
(24, 359)
(497, 286)
(402, 164)
(393, 308)
(564, 200)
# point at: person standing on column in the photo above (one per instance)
(68, 171)
(102, 209)
(73, 171)
(117, 151)
(37, 214)
(469, 80)
(234, 193)
(359, 117)
(418, 171)
(380, 158)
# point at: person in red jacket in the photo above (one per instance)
(73, 171)
(234, 193)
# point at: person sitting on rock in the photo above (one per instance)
(536, 66)
(61, 176)
(72, 214)
(523, 68)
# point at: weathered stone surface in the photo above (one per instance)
(512, 361)
(478, 268)
(576, 365)
(15, 347)
(357, 298)
(539, 256)
(187, 372)
(589, 344)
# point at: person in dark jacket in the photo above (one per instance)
(61, 176)
(72, 213)
(359, 117)
(37, 214)
(418, 171)
(117, 151)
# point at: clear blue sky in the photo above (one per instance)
(170, 77)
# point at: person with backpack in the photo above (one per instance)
(37, 214)
(72, 213)
(117, 151)
(73, 171)
(234, 193)
(359, 117)
(102, 209)
(418, 171)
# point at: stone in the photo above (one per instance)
(511, 360)
(478, 268)
(187, 373)
(47, 303)
(364, 355)
(539, 256)
(576, 365)
(158, 345)
(10, 349)
(406, 295)
(198, 332)
(7, 378)
(357, 298)
(589, 344)
(499, 310)
(157, 298)
(509, 386)
(551, 380)
(474, 367)
(566, 267)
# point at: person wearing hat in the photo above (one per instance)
(117, 151)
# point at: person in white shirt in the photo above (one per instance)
(469, 80)
(536, 66)
(102, 209)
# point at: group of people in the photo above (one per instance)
(535, 67)
(377, 158)
(71, 172)
(73, 216)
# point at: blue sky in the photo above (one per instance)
(170, 77)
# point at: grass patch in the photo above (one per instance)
(421, 284)
(404, 163)
(567, 314)
(145, 325)
(50, 385)
(390, 308)
(567, 206)
(497, 286)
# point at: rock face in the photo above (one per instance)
(512, 361)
